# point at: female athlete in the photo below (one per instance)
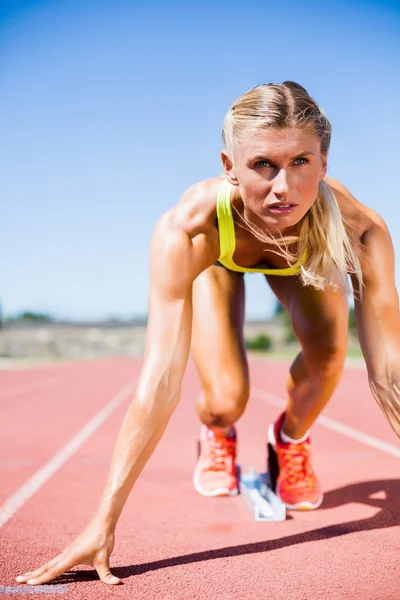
(276, 213)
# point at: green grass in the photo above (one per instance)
(354, 352)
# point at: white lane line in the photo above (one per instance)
(35, 482)
(18, 390)
(334, 425)
(33, 589)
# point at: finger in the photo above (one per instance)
(105, 574)
(52, 572)
(30, 574)
(37, 572)
(21, 578)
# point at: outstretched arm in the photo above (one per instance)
(174, 266)
(378, 320)
(167, 350)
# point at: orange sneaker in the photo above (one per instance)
(216, 473)
(290, 466)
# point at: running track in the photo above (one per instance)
(171, 543)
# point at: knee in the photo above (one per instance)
(227, 399)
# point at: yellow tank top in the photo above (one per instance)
(227, 240)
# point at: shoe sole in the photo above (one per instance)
(303, 505)
(273, 467)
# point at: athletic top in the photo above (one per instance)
(227, 239)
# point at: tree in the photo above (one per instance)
(262, 341)
(352, 321)
(279, 309)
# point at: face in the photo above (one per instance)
(277, 173)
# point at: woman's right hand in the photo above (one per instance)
(92, 547)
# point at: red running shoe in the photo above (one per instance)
(290, 467)
(216, 473)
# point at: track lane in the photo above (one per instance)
(34, 425)
(174, 544)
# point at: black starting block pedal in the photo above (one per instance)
(273, 467)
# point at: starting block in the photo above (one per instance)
(258, 492)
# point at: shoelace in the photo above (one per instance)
(295, 461)
(221, 454)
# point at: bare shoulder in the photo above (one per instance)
(197, 207)
(195, 212)
(376, 247)
(356, 215)
(185, 239)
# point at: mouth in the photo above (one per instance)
(282, 208)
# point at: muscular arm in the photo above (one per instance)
(173, 269)
(378, 320)
(176, 259)
(377, 304)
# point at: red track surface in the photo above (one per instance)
(173, 544)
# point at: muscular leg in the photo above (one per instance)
(320, 322)
(218, 347)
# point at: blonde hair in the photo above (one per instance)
(324, 249)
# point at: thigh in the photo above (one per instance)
(319, 318)
(217, 336)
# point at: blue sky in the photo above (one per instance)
(109, 110)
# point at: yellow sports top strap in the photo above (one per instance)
(226, 226)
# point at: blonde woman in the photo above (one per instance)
(274, 212)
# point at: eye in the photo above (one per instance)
(303, 160)
(263, 163)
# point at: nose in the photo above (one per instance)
(280, 185)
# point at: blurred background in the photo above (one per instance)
(109, 110)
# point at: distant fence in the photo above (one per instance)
(49, 340)
(62, 341)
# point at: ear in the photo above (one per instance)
(324, 161)
(228, 168)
